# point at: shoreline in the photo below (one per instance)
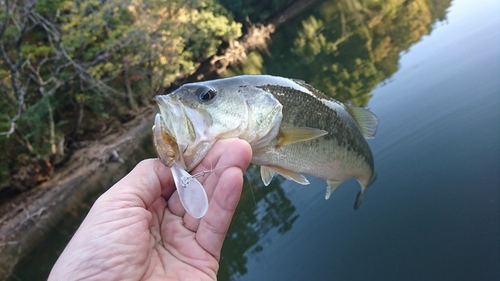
(28, 217)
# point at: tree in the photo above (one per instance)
(63, 60)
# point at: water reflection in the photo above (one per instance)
(260, 210)
(346, 48)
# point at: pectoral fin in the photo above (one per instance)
(293, 135)
(266, 174)
(332, 185)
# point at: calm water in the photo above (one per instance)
(434, 211)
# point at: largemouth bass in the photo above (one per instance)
(293, 128)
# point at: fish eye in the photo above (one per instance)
(205, 94)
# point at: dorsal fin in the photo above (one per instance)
(298, 81)
(367, 121)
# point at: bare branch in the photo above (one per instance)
(11, 130)
(5, 20)
(19, 90)
(28, 8)
(81, 70)
(24, 28)
(5, 58)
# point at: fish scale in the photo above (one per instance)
(307, 110)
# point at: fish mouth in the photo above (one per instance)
(164, 143)
(188, 127)
(174, 123)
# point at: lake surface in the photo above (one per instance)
(434, 211)
(432, 76)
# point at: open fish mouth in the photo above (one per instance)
(188, 127)
(191, 192)
(164, 143)
(171, 119)
(170, 113)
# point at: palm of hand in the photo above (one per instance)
(139, 230)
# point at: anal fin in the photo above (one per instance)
(332, 185)
(291, 175)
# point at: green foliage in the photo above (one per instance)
(343, 42)
(254, 10)
(438, 8)
(76, 56)
(210, 26)
(252, 65)
(83, 64)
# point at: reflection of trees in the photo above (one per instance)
(347, 47)
(261, 209)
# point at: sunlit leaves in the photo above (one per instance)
(309, 41)
(254, 64)
(98, 59)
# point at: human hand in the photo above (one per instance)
(138, 229)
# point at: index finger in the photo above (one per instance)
(228, 184)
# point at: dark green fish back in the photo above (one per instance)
(302, 109)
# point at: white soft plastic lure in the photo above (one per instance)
(191, 192)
